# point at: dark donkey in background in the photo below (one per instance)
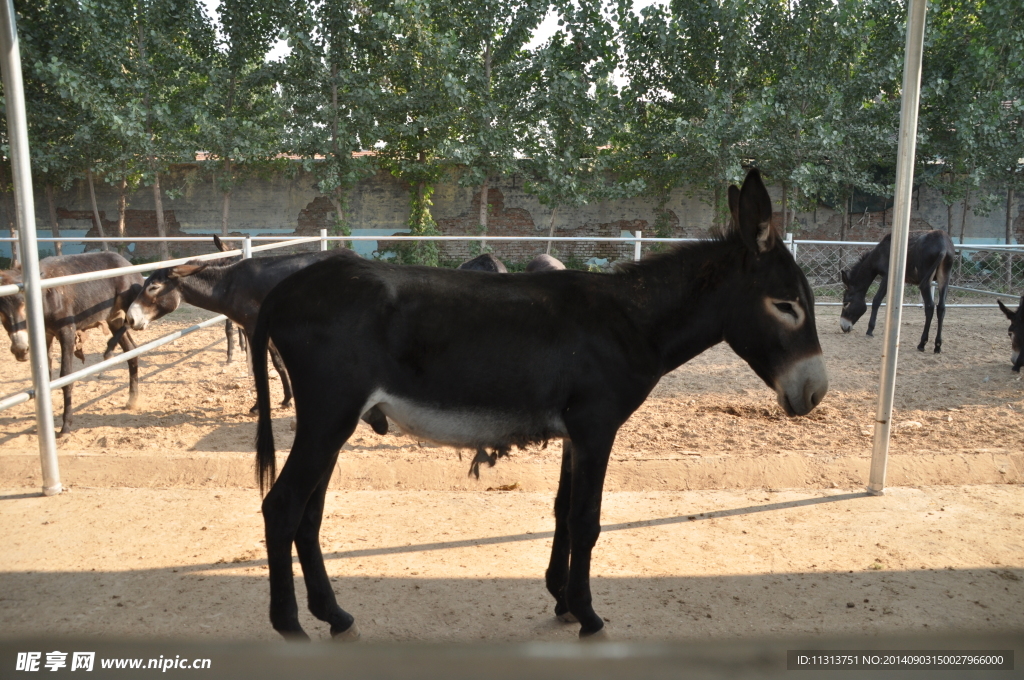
(929, 258)
(473, 360)
(235, 290)
(1016, 333)
(70, 310)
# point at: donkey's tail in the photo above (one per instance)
(266, 461)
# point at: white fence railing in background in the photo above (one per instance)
(246, 251)
(979, 271)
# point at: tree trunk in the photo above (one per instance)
(161, 227)
(949, 219)
(551, 228)
(122, 207)
(12, 220)
(54, 225)
(1009, 214)
(963, 217)
(484, 189)
(845, 225)
(225, 208)
(1009, 237)
(716, 214)
(785, 206)
(96, 210)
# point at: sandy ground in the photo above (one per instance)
(722, 517)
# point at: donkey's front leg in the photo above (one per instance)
(66, 337)
(590, 452)
(557, 575)
(127, 343)
(876, 302)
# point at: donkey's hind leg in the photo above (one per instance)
(286, 384)
(929, 310)
(940, 308)
(557, 575)
(321, 599)
(292, 511)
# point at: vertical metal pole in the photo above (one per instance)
(636, 246)
(247, 247)
(17, 134)
(900, 233)
(323, 239)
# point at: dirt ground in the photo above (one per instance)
(722, 517)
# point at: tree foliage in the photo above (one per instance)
(615, 103)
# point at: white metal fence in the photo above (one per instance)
(979, 273)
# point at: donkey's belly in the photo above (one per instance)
(466, 427)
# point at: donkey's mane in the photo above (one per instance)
(657, 261)
(856, 268)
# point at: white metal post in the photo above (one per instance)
(323, 239)
(900, 233)
(17, 134)
(247, 247)
(636, 246)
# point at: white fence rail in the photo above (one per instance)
(979, 272)
(247, 250)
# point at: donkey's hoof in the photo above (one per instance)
(920, 348)
(938, 350)
(597, 636)
(567, 617)
(350, 634)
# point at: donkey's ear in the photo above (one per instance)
(755, 213)
(1006, 311)
(220, 244)
(183, 270)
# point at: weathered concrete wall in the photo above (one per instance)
(289, 203)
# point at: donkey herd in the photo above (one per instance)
(481, 359)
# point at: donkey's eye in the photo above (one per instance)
(786, 308)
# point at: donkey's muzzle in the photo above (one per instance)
(19, 345)
(845, 324)
(803, 386)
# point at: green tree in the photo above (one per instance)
(495, 114)
(573, 110)
(145, 88)
(241, 121)
(330, 94)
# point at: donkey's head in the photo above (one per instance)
(1016, 331)
(12, 316)
(854, 304)
(772, 321)
(160, 295)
